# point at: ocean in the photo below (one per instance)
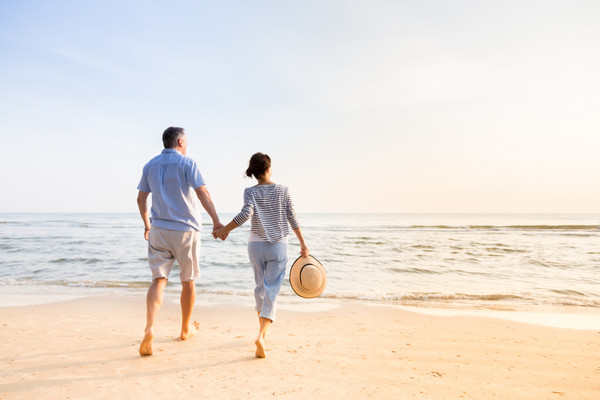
(489, 261)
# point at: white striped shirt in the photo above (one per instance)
(271, 208)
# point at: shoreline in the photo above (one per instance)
(87, 348)
(570, 317)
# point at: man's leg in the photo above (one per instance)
(154, 300)
(188, 298)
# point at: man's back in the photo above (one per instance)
(172, 177)
(173, 233)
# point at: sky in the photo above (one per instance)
(364, 106)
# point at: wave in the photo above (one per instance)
(424, 296)
(76, 260)
(507, 227)
(414, 270)
(567, 298)
(86, 284)
(505, 249)
(497, 229)
(461, 297)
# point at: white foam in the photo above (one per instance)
(16, 300)
(308, 308)
(556, 320)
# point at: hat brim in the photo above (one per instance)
(295, 277)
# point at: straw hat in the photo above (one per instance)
(308, 277)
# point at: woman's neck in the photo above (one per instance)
(264, 181)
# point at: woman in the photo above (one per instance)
(270, 207)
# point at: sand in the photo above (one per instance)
(87, 348)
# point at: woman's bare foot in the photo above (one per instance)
(265, 323)
(146, 346)
(260, 348)
(191, 331)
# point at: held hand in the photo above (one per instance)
(219, 231)
(221, 234)
(304, 251)
(216, 227)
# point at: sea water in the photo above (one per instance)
(445, 260)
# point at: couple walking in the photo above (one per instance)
(173, 232)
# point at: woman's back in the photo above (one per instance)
(270, 207)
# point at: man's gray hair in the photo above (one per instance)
(171, 135)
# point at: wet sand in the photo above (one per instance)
(87, 348)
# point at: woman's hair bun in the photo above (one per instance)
(259, 164)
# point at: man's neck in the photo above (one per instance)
(178, 149)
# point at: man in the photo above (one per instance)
(173, 232)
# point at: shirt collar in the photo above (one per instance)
(169, 151)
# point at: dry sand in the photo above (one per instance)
(87, 348)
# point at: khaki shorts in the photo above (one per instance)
(165, 246)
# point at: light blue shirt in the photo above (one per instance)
(172, 179)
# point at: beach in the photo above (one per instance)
(87, 348)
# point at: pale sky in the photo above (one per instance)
(364, 106)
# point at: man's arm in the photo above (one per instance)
(209, 206)
(142, 201)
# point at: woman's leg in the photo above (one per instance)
(256, 253)
(273, 278)
(265, 323)
(258, 263)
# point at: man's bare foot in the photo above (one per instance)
(260, 348)
(191, 331)
(146, 346)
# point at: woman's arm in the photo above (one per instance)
(303, 248)
(238, 220)
(294, 223)
(290, 212)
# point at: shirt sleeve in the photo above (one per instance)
(194, 177)
(144, 186)
(289, 209)
(247, 209)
